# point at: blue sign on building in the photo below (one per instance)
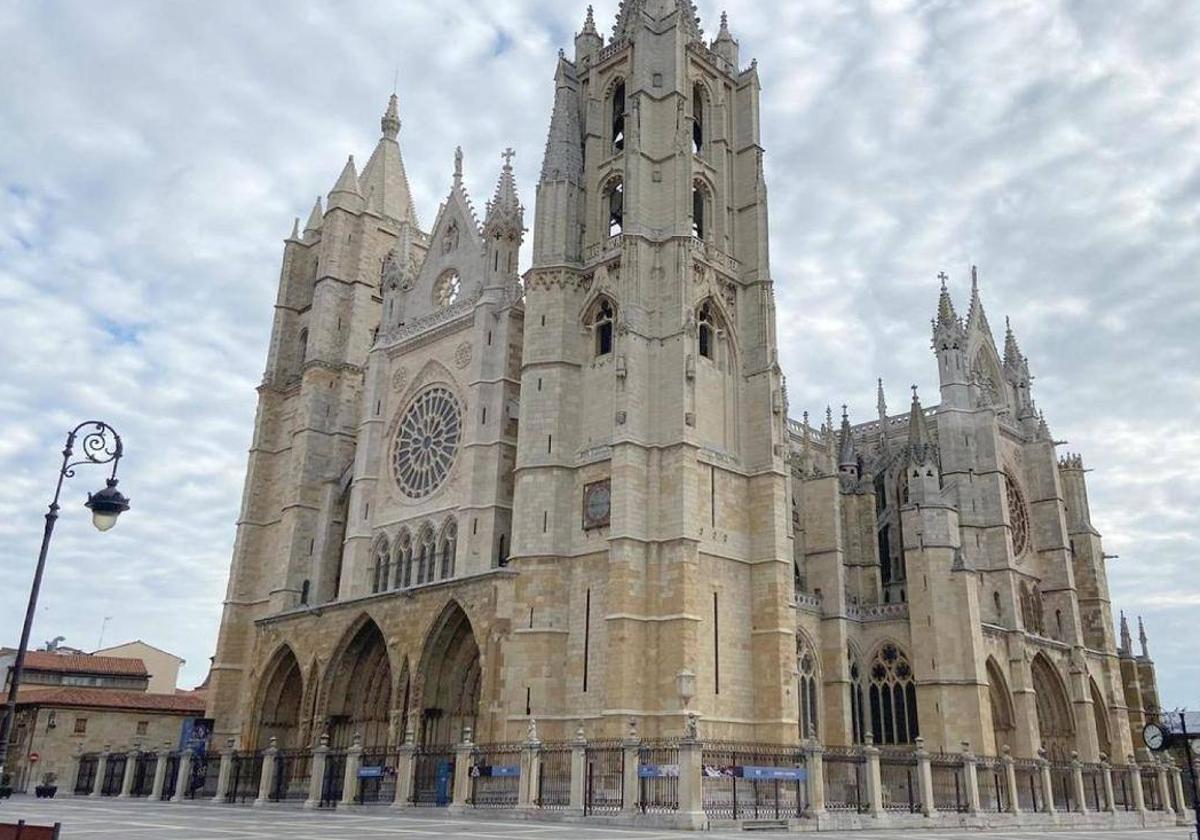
(658, 771)
(370, 772)
(774, 774)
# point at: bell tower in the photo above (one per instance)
(650, 521)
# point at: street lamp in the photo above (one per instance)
(100, 444)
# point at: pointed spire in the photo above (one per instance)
(881, 401)
(1126, 640)
(1142, 639)
(847, 454)
(384, 182)
(725, 45)
(458, 166)
(348, 181)
(295, 228)
(630, 12)
(946, 316)
(976, 317)
(589, 23)
(505, 215)
(1012, 351)
(314, 218)
(918, 432)
(563, 159)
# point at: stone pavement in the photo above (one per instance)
(108, 819)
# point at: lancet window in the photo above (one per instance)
(893, 698)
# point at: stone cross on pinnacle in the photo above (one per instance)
(508, 155)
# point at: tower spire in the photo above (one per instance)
(384, 182)
(847, 455)
(1142, 638)
(946, 316)
(389, 123)
(564, 148)
(314, 218)
(918, 432)
(1012, 351)
(1126, 639)
(881, 401)
(504, 211)
(976, 317)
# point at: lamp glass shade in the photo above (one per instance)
(104, 520)
(106, 505)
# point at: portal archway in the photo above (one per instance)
(360, 690)
(280, 693)
(1100, 713)
(1055, 722)
(450, 676)
(1004, 727)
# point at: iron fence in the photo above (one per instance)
(143, 774)
(1150, 792)
(604, 787)
(114, 775)
(658, 778)
(728, 794)
(1029, 785)
(949, 783)
(1062, 787)
(433, 776)
(334, 780)
(378, 785)
(293, 774)
(899, 787)
(245, 774)
(206, 771)
(993, 786)
(85, 779)
(171, 776)
(1122, 797)
(1093, 787)
(554, 781)
(845, 780)
(495, 775)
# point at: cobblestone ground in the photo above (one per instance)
(87, 819)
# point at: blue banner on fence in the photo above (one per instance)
(493, 770)
(658, 771)
(370, 772)
(771, 774)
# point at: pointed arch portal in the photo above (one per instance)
(1055, 723)
(1004, 727)
(360, 690)
(450, 674)
(280, 694)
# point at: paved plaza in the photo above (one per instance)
(86, 819)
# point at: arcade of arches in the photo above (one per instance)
(355, 694)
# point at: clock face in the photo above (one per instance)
(1154, 736)
(597, 504)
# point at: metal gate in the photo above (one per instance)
(293, 770)
(143, 774)
(377, 777)
(433, 782)
(171, 777)
(245, 772)
(114, 775)
(604, 787)
(85, 781)
(334, 781)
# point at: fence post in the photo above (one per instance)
(531, 770)
(462, 772)
(1077, 783)
(131, 762)
(183, 776)
(691, 776)
(405, 767)
(316, 782)
(1164, 788)
(874, 777)
(631, 782)
(1180, 799)
(1110, 800)
(1047, 783)
(1135, 780)
(160, 771)
(925, 779)
(101, 770)
(971, 778)
(578, 773)
(816, 777)
(1010, 775)
(77, 760)
(350, 780)
(225, 770)
(266, 782)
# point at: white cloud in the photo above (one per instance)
(154, 156)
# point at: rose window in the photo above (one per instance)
(1018, 516)
(427, 442)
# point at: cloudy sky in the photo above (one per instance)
(153, 155)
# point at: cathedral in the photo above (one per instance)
(477, 497)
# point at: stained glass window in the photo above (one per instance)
(427, 442)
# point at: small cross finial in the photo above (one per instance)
(458, 164)
(508, 155)
(943, 276)
(914, 390)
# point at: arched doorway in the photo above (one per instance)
(1100, 713)
(1004, 727)
(1055, 722)
(360, 690)
(280, 693)
(450, 676)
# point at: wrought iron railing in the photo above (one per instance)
(170, 776)
(114, 775)
(433, 776)
(293, 773)
(949, 783)
(495, 776)
(554, 781)
(377, 779)
(899, 787)
(845, 780)
(143, 774)
(993, 786)
(604, 781)
(245, 773)
(1029, 785)
(734, 786)
(658, 777)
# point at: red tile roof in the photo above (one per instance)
(105, 698)
(44, 660)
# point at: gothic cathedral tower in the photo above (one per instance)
(650, 526)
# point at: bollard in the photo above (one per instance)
(350, 780)
(316, 783)
(578, 773)
(925, 779)
(406, 764)
(270, 768)
(874, 777)
(971, 778)
(1010, 774)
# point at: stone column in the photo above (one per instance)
(225, 771)
(101, 768)
(631, 786)
(316, 782)
(1135, 780)
(77, 762)
(131, 760)
(1110, 800)
(270, 766)
(816, 778)
(925, 779)
(1077, 783)
(1164, 788)
(1010, 775)
(406, 765)
(971, 778)
(462, 772)
(183, 777)
(350, 780)
(531, 771)
(691, 778)
(578, 773)
(160, 771)
(1047, 783)
(874, 777)
(1180, 798)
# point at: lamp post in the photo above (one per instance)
(100, 444)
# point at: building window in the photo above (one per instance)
(699, 207)
(806, 670)
(856, 699)
(893, 698)
(448, 548)
(425, 562)
(80, 726)
(614, 202)
(602, 326)
(143, 727)
(698, 118)
(618, 117)
(382, 567)
(404, 561)
(427, 442)
(706, 330)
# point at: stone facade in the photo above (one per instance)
(474, 498)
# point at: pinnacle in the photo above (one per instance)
(724, 34)
(589, 23)
(881, 401)
(315, 217)
(505, 207)
(1012, 351)
(348, 180)
(918, 434)
(847, 456)
(946, 314)
(389, 124)
(976, 317)
(630, 12)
